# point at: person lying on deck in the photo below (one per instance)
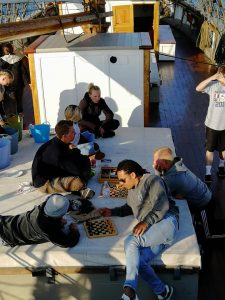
(182, 183)
(157, 218)
(58, 166)
(44, 223)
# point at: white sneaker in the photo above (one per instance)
(125, 297)
(169, 293)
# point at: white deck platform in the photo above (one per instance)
(134, 143)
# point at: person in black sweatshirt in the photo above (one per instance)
(92, 105)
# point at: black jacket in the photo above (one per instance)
(54, 159)
(34, 227)
(91, 112)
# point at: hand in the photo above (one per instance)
(105, 212)
(72, 146)
(73, 227)
(140, 228)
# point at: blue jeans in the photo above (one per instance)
(140, 250)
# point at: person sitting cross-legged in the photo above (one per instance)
(58, 167)
(157, 218)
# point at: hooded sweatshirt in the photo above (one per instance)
(180, 180)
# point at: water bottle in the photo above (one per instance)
(106, 190)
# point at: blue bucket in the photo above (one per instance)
(5, 146)
(40, 132)
(14, 141)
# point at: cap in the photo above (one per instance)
(56, 206)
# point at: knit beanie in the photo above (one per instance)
(56, 206)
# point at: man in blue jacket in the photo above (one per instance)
(181, 182)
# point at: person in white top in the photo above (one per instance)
(83, 141)
(214, 86)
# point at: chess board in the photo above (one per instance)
(118, 192)
(108, 174)
(100, 228)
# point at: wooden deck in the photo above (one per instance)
(183, 110)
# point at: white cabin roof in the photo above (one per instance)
(103, 41)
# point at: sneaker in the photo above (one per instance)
(221, 172)
(208, 178)
(129, 294)
(108, 134)
(87, 193)
(125, 297)
(167, 294)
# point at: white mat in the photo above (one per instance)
(133, 143)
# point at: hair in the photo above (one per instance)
(7, 49)
(63, 127)
(221, 70)
(129, 166)
(164, 153)
(73, 113)
(92, 87)
(7, 73)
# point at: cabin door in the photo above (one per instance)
(123, 18)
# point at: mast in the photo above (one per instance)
(23, 29)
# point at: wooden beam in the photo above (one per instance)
(23, 29)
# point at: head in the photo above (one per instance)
(129, 173)
(6, 77)
(56, 206)
(65, 131)
(163, 159)
(73, 113)
(7, 49)
(94, 93)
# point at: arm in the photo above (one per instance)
(106, 110)
(202, 85)
(155, 202)
(121, 211)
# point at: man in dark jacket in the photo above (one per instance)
(44, 223)
(92, 105)
(58, 166)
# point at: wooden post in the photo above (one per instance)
(30, 52)
(156, 26)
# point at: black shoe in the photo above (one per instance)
(208, 179)
(221, 172)
(108, 134)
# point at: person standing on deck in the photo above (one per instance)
(6, 107)
(214, 86)
(157, 218)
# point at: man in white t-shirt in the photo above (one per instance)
(214, 86)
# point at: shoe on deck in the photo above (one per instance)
(221, 172)
(168, 293)
(129, 294)
(208, 178)
(125, 297)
